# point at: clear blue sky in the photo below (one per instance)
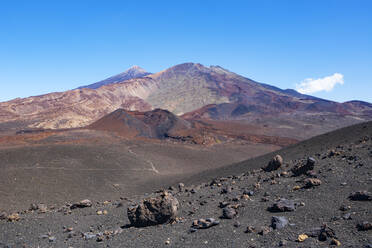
(50, 46)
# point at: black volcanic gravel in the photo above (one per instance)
(343, 164)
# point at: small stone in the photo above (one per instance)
(347, 216)
(89, 235)
(364, 226)
(3, 215)
(229, 213)
(250, 229)
(14, 217)
(99, 212)
(52, 239)
(302, 237)
(204, 223)
(345, 207)
(106, 203)
(312, 182)
(335, 242)
(361, 196)
(283, 205)
(181, 187)
(279, 222)
(167, 242)
(82, 204)
(264, 230)
(237, 224)
(296, 187)
(105, 212)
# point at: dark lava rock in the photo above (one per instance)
(283, 205)
(302, 169)
(279, 222)
(364, 226)
(228, 213)
(322, 233)
(226, 190)
(264, 230)
(249, 229)
(3, 215)
(274, 164)
(204, 223)
(154, 211)
(361, 196)
(237, 224)
(311, 182)
(82, 204)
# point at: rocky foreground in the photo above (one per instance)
(307, 195)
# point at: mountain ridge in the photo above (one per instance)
(181, 89)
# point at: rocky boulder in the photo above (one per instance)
(154, 211)
(303, 168)
(274, 164)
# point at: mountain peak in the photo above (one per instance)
(136, 68)
(133, 72)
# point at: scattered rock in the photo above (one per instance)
(204, 223)
(274, 164)
(364, 226)
(264, 230)
(279, 222)
(335, 242)
(3, 215)
(347, 216)
(250, 229)
(302, 169)
(322, 233)
(237, 224)
(154, 211)
(13, 217)
(228, 213)
(89, 235)
(82, 204)
(302, 237)
(283, 205)
(181, 187)
(361, 196)
(311, 182)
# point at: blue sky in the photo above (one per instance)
(48, 46)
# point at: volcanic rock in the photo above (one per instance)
(311, 182)
(283, 205)
(302, 169)
(229, 213)
(274, 164)
(82, 204)
(364, 226)
(204, 223)
(279, 222)
(154, 211)
(361, 196)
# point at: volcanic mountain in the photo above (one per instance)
(133, 72)
(157, 123)
(192, 90)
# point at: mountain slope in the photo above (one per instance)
(181, 89)
(133, 72)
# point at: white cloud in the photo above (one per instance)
(310, 85)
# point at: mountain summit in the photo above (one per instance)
(133, 72)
